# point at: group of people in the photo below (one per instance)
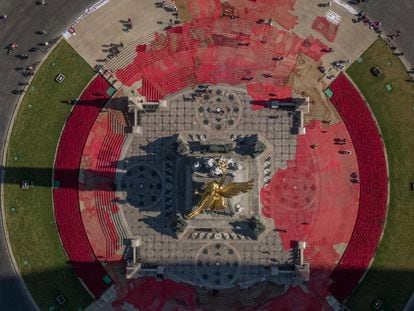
(341, 141)
(13, 47)
(396, 35)
(354, 178)
(114, 50)
(29, 70)
(392, 46)
(338, 64)
(375, 25)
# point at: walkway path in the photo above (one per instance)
(95, 33)
(351, 39)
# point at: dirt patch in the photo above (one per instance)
(183, 12)
(303, 81)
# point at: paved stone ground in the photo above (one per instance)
(309, 82)
(185, 258)
(183, 117)
(396, 14)
(100, 29)
(24, 17)
(352, 38)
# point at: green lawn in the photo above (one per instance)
(29, 213)
(391, 277)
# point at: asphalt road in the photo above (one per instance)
(394, 15)
(25, 18)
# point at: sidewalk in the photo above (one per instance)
(96, 32)
(351, 40)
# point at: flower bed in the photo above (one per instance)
(66, 200)
(373, 178)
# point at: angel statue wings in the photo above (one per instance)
(215, 194)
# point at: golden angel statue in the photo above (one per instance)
(215, 194)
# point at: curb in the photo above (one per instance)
(2, 174)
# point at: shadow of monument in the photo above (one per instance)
(11, 298)
(36, 281)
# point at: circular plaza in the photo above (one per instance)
(206, 155)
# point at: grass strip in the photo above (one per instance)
(29, 213)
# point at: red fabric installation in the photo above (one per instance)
(99, 162)
(314, 200)
(325, 28)
(277, 10)
(294, 299)
(66, 200)
(313, 48)
(204, 8)
(261, 92)
(141, 48)
(216, 51)
(149, 91)
(150, 294)
(373, 176)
